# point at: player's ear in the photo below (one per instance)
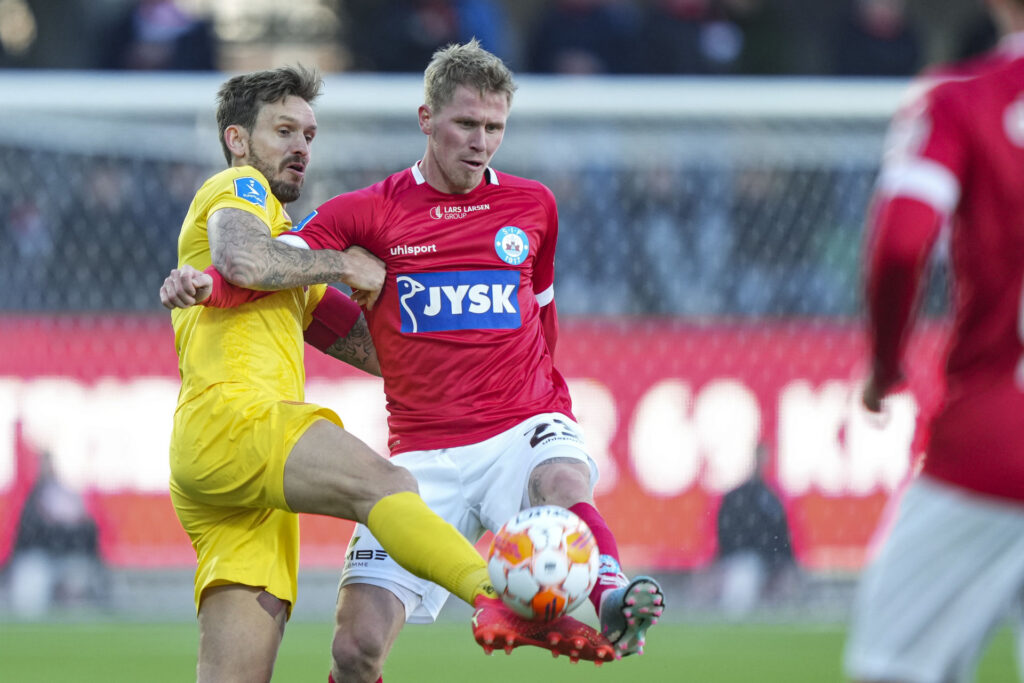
(425, 121)
(236, 137)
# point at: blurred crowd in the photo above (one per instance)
(698, 238)
(716, 37)
(706, 237)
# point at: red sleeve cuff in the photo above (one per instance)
(226, 295)
(333, 317)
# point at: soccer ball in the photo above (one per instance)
(543, 562)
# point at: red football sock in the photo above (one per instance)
(610, 573)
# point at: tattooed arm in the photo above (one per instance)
(244, 252)
(356, 348)
(339, 329)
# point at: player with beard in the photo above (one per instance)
(247, 452)
(465, 331)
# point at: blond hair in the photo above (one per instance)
(468, 65)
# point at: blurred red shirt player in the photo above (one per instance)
(953, 564)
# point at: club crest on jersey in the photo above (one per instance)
(459, 300)
(512, 245)
(251, 191)
(301, 224)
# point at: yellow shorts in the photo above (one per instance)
(228, 450)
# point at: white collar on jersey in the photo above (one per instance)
(492, 176)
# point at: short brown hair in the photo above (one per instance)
(240, 99)
(469, 65)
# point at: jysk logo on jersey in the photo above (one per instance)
(512, 245)
(251, 191)
(459, 300)
(301, 224)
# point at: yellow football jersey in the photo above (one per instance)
(260, 342)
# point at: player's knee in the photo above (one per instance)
(357, 655)
(560, 483)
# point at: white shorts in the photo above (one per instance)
(475, 488)
(949, 573)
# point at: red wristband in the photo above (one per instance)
(333, 317)
(226, 295)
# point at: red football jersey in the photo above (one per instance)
(955, 156)
(465, 325)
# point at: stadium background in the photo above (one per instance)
(708, 282)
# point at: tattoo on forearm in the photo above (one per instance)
(243, 249)
(357, 348)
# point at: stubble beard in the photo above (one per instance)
(284, 191)
(464, 180)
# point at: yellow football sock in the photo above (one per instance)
(428, 546)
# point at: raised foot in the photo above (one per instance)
(628, 612)
(495, 627)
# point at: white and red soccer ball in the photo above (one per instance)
(543, 562)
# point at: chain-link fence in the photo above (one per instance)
(708, 276)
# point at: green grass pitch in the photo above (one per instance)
(709, 653)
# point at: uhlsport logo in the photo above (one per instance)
(251, 191)
(442, 211)
(512, 245)
(413, 249)
(459, 300)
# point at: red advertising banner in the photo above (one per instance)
(674, 414)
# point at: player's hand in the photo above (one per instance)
(185, 287)
(365, 275)
(875, 391)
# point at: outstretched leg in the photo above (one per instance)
(496, 627)
(626, 608)
(331, 472)
(627, 612)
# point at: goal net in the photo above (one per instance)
(708, 283)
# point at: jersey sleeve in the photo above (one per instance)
(918, 190)
(248, 193)
(926, 148)
(314, 296)
(329, 317)
(544, 274)
(338, 223)
(903, 232)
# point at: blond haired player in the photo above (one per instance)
(247, 452)
(466, 331)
